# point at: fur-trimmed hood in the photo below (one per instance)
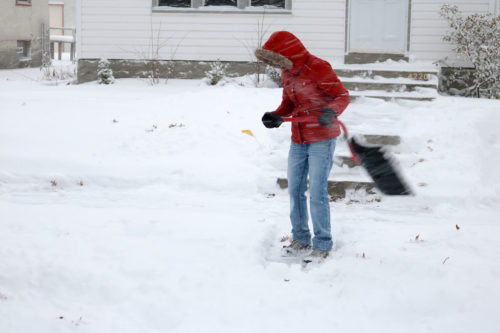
(284, 50)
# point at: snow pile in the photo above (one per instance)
(138, 208)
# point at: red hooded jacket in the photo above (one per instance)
(311, 84)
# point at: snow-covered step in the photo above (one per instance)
(377, 139)
(390, 80)
(370, 72)
(387, 84)
(338, 189)
(420, 94)
(343, 157)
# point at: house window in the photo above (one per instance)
(268, 3)
(23, 50)
(197, 3)
(175, 3)
(237, 4)
(23, 2)
(221, 3)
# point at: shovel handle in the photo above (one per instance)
(355, 157)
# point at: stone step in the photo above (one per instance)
(337, 189)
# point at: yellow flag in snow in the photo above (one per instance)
(247, 132)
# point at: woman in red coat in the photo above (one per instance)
(310, 89)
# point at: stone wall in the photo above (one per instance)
(87, 69)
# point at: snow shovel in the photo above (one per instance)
(380, 168)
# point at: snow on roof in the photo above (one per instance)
(62, 38)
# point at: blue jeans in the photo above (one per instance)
(316, 160)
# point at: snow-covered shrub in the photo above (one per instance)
(274, 74)
(58, 73)
(476, 38)
(46, 66)
(104, 72)
(216, 73)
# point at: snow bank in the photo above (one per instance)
(134, 208)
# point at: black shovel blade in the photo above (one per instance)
(380, 169)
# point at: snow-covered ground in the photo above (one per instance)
(137, 208)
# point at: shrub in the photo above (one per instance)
(216, 73)
(274, 74)
(476, 38)
(104, 72)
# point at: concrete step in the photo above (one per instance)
(373, 73)
(342, 160)
(376, 139)
(373, 81)
(388, 86)
(429, 95)
(338, 189)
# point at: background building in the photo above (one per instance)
(22, 22)
(24, 27)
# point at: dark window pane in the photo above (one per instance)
(175, 3)
(221, 2)
(23, 49)
(275, 3)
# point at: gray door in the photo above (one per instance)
(378, 26)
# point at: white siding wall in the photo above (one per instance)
(428, 28)
(122, 30)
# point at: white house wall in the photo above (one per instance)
(427, 27)
(127, 30)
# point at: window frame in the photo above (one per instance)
(26, 56)
(242, 7)
(26, 3)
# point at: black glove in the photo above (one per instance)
(325, 119)
(271, 120)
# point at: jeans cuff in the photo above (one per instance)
(304, 241)
(322, 245)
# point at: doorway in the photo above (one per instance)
(378, 27)
(56, 20)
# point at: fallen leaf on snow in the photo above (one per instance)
(284, 239)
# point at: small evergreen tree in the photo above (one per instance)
(104, 72)
(274, 74)
(216, 73)
(477, 39)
